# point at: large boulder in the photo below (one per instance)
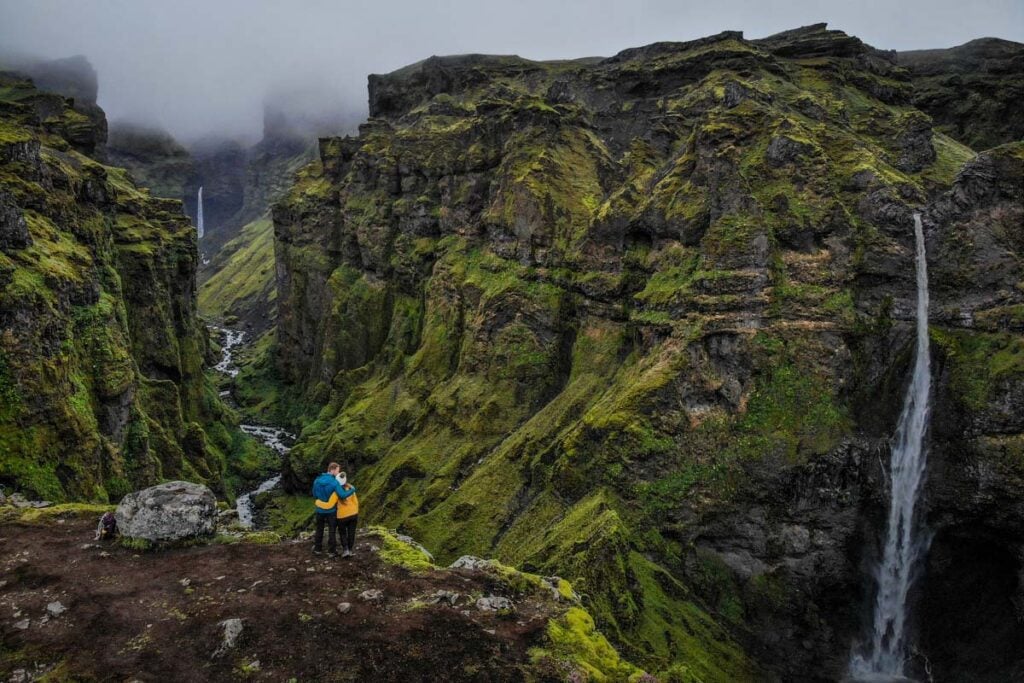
(174, 511)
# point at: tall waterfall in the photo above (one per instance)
(199, 213)
(906, 541)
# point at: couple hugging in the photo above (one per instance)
(337, 508)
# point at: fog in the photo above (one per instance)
(199, 67)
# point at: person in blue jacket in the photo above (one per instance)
(324, 487)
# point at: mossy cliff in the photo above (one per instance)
(644, 322)
(973, 91)
(101, 352)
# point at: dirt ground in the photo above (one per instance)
(156, 616)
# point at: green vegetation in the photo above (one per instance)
(109, 347)
(246, 281)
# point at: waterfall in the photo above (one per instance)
(906, 542)
(199, 213)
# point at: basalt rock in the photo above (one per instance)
(645, 321)
(101, 351)
(168, 513)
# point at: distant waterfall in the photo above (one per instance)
(199, 213)
(906, 542)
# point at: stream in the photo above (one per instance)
(274, 438)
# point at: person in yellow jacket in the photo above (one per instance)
(348, 517)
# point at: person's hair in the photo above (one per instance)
(333, 466)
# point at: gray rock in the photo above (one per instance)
(372, 595)
(232, 629)
(493, 603)
(344, 607)
(471, 562)
(446, 597)
(22, 625)
(55, 609)
(783, 150)
(169, 512)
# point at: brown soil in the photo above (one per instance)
(129, 616)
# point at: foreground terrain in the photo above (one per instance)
(158, 615)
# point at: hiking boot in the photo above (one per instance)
(333, 554)
(348, 553)
(317, 551)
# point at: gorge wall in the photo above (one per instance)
(101, 351)
(645, 322)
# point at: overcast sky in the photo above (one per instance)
(197, 67)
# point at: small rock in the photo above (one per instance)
(232, 629)
(310, 569)
(372, 595)
(447, 597)
(411, 541)
(22, 625)
(470, 562)
(344, 607)
(490, 630)
(20, 676)
(186, 582)
(104, 554)
(86, 546)
(56, 609)
(493, 603)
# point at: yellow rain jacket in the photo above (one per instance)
(348, 507)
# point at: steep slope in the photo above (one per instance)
(644, 322)
(241, 289)
(154, 158)
(974, 91)
(101, 354)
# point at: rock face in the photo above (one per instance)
(644, 322)
(101, 349)
(973, 91)
(169, 512)
(154, 158)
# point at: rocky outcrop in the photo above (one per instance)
(645, 321)
(101, 350)
(74, 78)
(973, 91)
(168, 513)
(154, 158)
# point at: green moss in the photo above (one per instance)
(978, 363)
(574, 638)
(64, 510)
(397, 552)
(246, 281)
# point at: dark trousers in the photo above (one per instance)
(332, 523)
(347, 531)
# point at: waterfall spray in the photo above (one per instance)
(199, 213)
(905, 543)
